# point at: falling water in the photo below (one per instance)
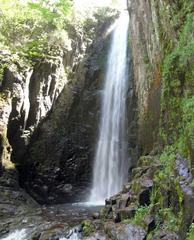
(111, 165)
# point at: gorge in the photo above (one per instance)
(96, 106)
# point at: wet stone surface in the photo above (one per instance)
(48, 222)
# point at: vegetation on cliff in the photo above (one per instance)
(37, 28)
(176, 128)
(32, 27)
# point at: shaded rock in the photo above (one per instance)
(96, 236)
(96, 215)
(144, 197)
(65, 140)
(110, 229)
(112, 200)
(182, 169)
(166, 235)
(106, 212)
(146, 185)
(123, 200)
(149, 222)
(67, 188)
(55, 232)
(126, 188)
(126, 213)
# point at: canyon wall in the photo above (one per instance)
(162, 52)
(50, 113)
(158, 200)
(146, 49)
(58, 163)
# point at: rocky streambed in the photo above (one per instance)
(63, 221)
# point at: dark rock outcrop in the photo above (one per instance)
(57, 165)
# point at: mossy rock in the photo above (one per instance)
(87, 228)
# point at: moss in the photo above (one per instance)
(176, 128)
(166, 202)
(177, 75)
(87, 227)
(3, 66)
(135, 187)
(190, 235)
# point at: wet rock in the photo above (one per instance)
(144, 197)
(67, 188)
(126, 188)
(123, 200)
(40, 190)
(125, 232)
(126, 213)
(149, 222)
(97, 236)
(36, 236)
(146, 185)
(112, 200)
(182, 170)
(49, 231)
(166, 235)
(106, 212)
(96, 215)
(110, 229)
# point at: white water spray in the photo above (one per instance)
(111, 165)
(16, 235)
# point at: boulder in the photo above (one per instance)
(125, 231)
(126, 213)
(166, 235)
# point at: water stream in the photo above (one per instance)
(111, 165)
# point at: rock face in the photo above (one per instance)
(132, 213)
(50, 115)
(57, 166)
(33, 93)
(146, 47)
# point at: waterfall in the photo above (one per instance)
(110, 164)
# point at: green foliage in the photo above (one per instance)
(52, 12)
(87, 227)
(2, 69)
(177, 91)
(29, 28)
(190, 235)
(171, 220)
(166, 196)
(177, 115)
(38, 29)
(140, 214)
